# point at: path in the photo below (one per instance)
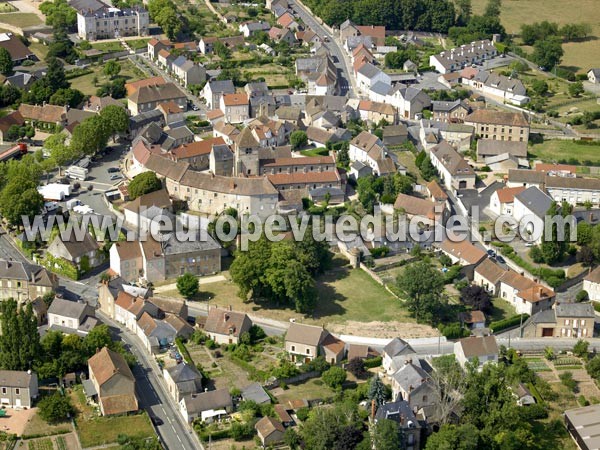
(27, 6)
(202, 280)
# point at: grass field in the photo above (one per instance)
(86, 85)
(580, 55)
(21, 20)
(344, 295)
(555, 150)
(38, 427)
(273, 74)
(502, 310)
(136, 44)
(311, 390)
(114, 46)
(320, 151)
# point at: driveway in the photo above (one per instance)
(429, 80)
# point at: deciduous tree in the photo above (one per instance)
(188, 285)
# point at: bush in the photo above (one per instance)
(334, 377)
(210, 344)
(373, 362)
(582, 401)
(380, 252)
(566, 378)
(533, 412)
(302, 413)
(581, 348)
(582, 296)
(454, 331)
(508, 323)
(55, 408)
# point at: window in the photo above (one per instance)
(293, 348)
(567, 321)
(17, 391)
(308, 351)
(4, 390)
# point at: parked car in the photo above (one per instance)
(157, 421)
(500, 259)
(116, 177)
(113, 170)
(491, 253)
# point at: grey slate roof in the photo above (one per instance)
(575, 310)
(197, 403)
(400, 412)
(443, 106)
(381, 88)
(67, 308)
(535, 200)
(256, 393)
(224, 86)
(15, 378)
(546, 316)
(368, 70)
(397, 347)
(174, 247)
(410, 376)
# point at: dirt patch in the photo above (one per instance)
(384, 329)
(16, 421)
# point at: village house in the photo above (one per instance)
(136, 211)
(22, 282)
(71, 317)
(17, 50)
(575, 191)
(473, 320)
(499, 87)
(527, 296)
(129, 308)
(412, 384)
(188, 72)
(110, 22)
(111, 382)
(225, 326)
(499, 125)
(530, 208)
(155, 46)
(303, 343)
(319, 73)
(565, 320)
(395, 135)
(147, 98)
(159, 334)
(502, 201)
(85, 254)
(458, 58)
(269, 431)
(182, 379)
(251, 28)
(527, 178)
(591, 284)
(207, 406)
(369, 150)
(396, 354)
(14, 118)
(594, 76)
(487, 274)
(197, 153)
(375, 112)
(421, 208)
(44, 117)
(444, 111)
(484, 349)
(463, 252)
(455, 172)
(369, 75)
(492, 152)
(19, 389)
(409, 100)
(401, 413)
(214, 90)
(235, 107)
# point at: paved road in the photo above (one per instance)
(174, 433)
(346, 82)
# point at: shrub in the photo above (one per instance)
(549, 353)
(566, 378)
(210, 344)
(582, 296)
(334, 377)
(454, 331)
(581, 348)
(508, 323)
(373, 362)
(533, 412)
(302, 413)
(380, 252)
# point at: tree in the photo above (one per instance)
(576, 89)
(291, 438)
(188, 285)
(477, 298)
(112, 68)
(221, 50)
(334, 377)
(465, 11)
(6, 63)
(540, 87)
(20, 341)
(377, 391)
(55, 408)
(169, 22)
(427, 170)
(60, 153)
(55, 75)
(593, 367)
(144, 183)
(547, 53)
(70, 97)
(387, 435)
(582, 296)
(585, 256)
(455, 437)
(20, 198)
(90, 136)
(59, 15)
(298, 139)
(13, 133)
(554, 248)
(422, 285)
(356, 366)
(581, 348)
(115, 119)
(492, 9)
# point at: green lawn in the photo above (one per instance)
(579, 55)
(344, 295)
(37, 426)
(502, 310)
(113, 46)
(555, 150)
(105, 430)
(21, 20)
(310, 390)
(86, 85)
(320, 151)
(407, 159)
(39, 49)
(136, 44)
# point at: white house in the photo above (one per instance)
(368, 75)
(397, 353)
(369, 150)
(530, 208)
(484, 348)
(71, 317)
(455, 171)
(502, 201)
(409, 100)
(591, 284)
(527, 296)
(594, 76)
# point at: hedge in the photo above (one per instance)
(454, 331)
(508, 323)
(184, 351)
(253, 372)
(596, 306)
(66, 268)
(373, 362)
(214, 435)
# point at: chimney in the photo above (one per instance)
(373, 409)
(229, 307)
(225, 317)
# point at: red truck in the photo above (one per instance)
(14, 152)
